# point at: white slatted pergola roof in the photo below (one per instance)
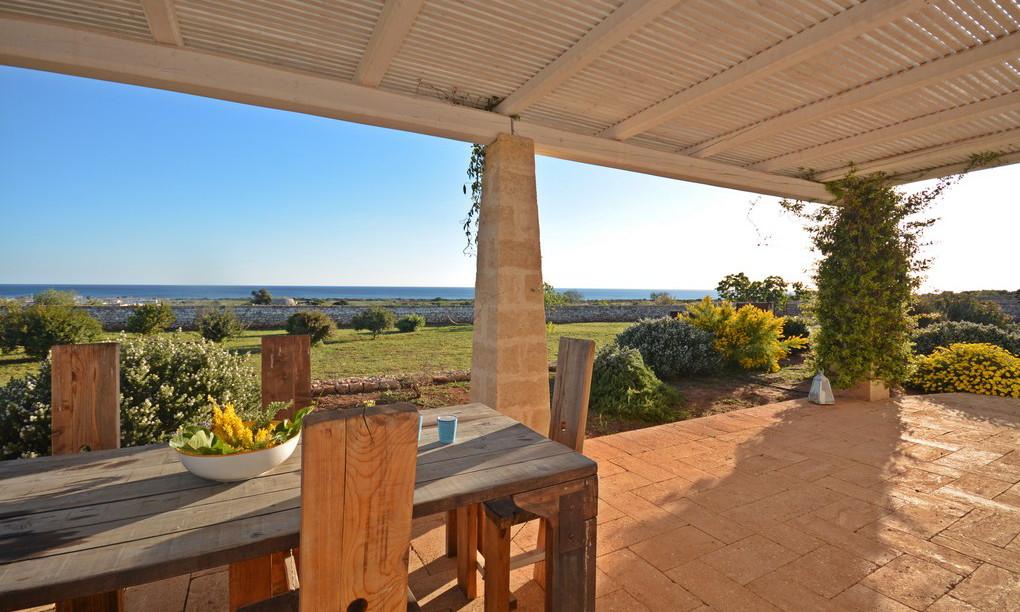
(752, 95)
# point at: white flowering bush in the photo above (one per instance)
(672, 347)
(165, 382)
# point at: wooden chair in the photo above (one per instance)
(569, 415)
(357, 493)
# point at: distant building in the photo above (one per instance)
(284, 302)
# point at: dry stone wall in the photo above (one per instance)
(114, 318)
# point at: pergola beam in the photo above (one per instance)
(911, 127)
(44, 46)
(394, 23)
(794, 50)
(990, 143)
(936, 71)
(162, 20)
(620, 25)
(941, 171)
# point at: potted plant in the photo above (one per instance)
(236, 446)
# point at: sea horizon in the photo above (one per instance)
(222, 292)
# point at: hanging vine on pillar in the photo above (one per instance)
(475, 171)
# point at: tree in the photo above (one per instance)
(662, 298)
(261, 297)
(53, 297)
(869, 243)
(734, 287)
(739, 288)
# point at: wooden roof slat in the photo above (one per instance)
(828, 34)
(948, 67)
(982, 144)
(951, 116)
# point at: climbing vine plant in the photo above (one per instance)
(473, 189)
(871, 262)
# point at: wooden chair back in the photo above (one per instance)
(287, 371)
(571, 391)
(357, 493)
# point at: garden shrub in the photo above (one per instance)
(973, 368)
(40, 327)
(165, 381)
(151, 318)
(218, 325)
(952, 332)
(962, 307)
(10, 325)
(795, 327)
(410, 323)
(622, 385)
(748, 337)
(314, 323)
(375, 320)
(672, 347)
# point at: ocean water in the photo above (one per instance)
(214, 292)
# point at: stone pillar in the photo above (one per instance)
(509, 367)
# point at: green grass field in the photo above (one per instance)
(351, 353)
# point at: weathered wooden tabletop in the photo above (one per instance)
(88, 523)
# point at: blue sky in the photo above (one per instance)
(109, 183)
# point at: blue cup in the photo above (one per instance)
(447, 426)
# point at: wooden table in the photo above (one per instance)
(89, 523)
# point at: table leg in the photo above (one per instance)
(257, 579)
(451, 533)
(467, 550)
(570, 552)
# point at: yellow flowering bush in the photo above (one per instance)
(748, 337)
(235, 432)
(229, 432)
(973, 368)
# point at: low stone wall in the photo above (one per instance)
(114, 318)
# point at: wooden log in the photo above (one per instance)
(85, 381)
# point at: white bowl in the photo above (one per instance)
(239, 466)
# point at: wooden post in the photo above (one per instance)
(570, 552)
(357, 494)
(286, 377)
(85, 379)
(287, 371)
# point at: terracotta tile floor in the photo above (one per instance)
(911, 504)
